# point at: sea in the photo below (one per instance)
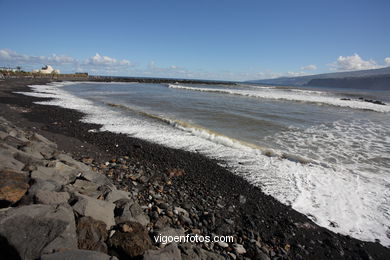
(324, 151)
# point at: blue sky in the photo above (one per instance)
(232, 40)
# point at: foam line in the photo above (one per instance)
(315, 97)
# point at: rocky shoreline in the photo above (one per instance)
(68, 192)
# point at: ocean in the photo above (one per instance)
(325, 152)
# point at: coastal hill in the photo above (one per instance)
(367, 79)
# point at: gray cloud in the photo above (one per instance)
(309, 67)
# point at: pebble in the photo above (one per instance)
(223, 244)
(239, 249)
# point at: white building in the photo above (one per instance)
(47, 70)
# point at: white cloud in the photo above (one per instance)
(387, 61)
(296, 73)
(309, 67)
(98, 64)
(16, 58)
(105, 60)
(354, 62)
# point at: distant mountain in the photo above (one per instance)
(365, 82)
(359, 78)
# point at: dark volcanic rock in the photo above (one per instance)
(91, 234)
(128, 210)
(131, 241)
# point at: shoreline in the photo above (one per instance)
(238, 208)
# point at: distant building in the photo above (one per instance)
(8, 69)
(47, 70)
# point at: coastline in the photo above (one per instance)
(259, 222)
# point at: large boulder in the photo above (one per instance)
(39, 138)
(7, 160)
(92, 234)
(131, 240)
(59, 172)
(39, 149)
(46, 185)
(31, 231)
(51, 197)
(13, 185)
(77, 255)
(170, 252)
(115, 195)
(84, 187)
(96, 209)
(85, 171)
(28, 159)
(129, 210)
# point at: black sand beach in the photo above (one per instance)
(217, 201)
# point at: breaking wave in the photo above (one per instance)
(309, 96)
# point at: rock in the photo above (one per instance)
(175, 173)
(128, 210)
(223, 244)
(242, 199)
(42, 139)
(96, 209)
(28, 159)
(37, 229)
(3, 135)
(85, 171)
(60, 173)
(162, 222)
(44, 185)
(232, 256)
(169, 231)
(115, 195)
(13, 185)
(261, 255)
(68, 160)
(85, 187)
(191, 252)
(92, 234)
(7, 160)
(51, 197)
(38, 149)
(13, 141)
(96, 178)
(87, 160)
(181, 211)
(239, 249)
(170, 252)
(78, 254)
(166, 232)
(130, 244)
(185, 220)
(163, 205)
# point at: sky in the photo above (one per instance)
(227, 40)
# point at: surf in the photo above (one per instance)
(308, 96)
